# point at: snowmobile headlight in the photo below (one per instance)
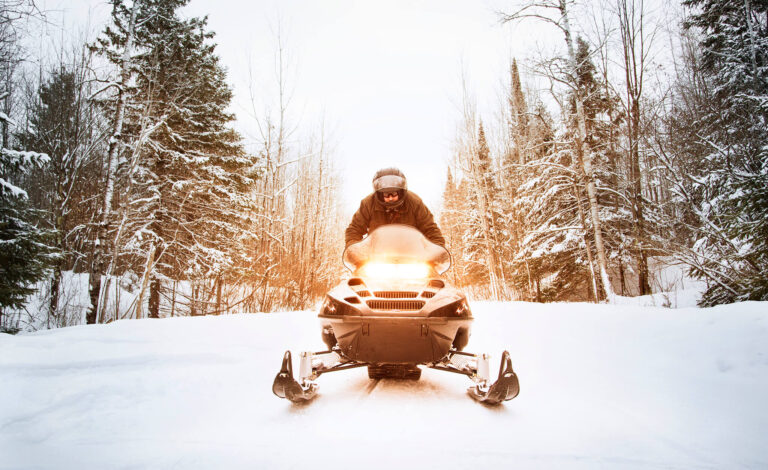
(397, 271)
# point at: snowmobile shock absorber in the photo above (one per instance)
(305, 366)
(484, 368)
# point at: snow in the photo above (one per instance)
(12, 189)
(602, 386)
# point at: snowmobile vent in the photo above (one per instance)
(392, 294)
(363, 293)
(436, 283)
(427, 294)
(400, 305)
(352, 300)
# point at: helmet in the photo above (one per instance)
(389, 180)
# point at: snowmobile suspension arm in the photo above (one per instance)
(336, 368)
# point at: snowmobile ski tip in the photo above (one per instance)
(285, 386)
(505, 388)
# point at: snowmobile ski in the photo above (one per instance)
(311, 366)
(285, 386)
(505, 388)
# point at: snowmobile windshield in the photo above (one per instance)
(396, 244)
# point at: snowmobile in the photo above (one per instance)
(393, 314)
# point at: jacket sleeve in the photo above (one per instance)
(358, 227)
(425, 222)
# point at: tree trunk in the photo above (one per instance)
(633, 74)
(99, 255)
(173, 298)
(585, 161)
(145, 282)
(154, 297)
(218, 295)
(582, 217)
(53, 306)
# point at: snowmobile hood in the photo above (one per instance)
(396, 244)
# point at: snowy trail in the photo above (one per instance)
(601, 387)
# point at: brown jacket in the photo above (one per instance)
(373, 214)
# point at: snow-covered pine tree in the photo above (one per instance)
(530, 137)
(25, 251)
(520, 150)
(553, 258)
(728, 183)
(543, 225)
(64, 125)
(516, 153)
(25, 254)
(612, 179)
(556, 13)
(189, 196)
(481, 241)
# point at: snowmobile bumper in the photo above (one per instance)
(386, 339)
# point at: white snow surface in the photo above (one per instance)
(602, 386)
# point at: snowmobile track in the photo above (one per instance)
(371, 386)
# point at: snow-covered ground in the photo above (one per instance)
(601, 387)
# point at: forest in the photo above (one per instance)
(121, 172)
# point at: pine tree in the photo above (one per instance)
(25, 254)
(556, 12)
(189, 190)
(518, 125)
(61, 124)
(730, 180)
(517, 152)
(183, 206)
(556, 242)
(482, 241)
(601, 124)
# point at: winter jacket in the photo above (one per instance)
(373, 214)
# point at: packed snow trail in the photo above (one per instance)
(601, 387)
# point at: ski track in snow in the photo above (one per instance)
(601, 387)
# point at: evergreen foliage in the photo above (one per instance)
(25, 253)
(189, 189)
(63, 125)
(729, 137)
(185, 209)
(483, 213)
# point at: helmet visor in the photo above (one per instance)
(389, 182)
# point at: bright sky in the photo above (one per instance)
(384, 77)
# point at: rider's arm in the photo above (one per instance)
(359, 225)
(425, 222)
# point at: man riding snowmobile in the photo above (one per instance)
(395, 313)
(392, 203)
